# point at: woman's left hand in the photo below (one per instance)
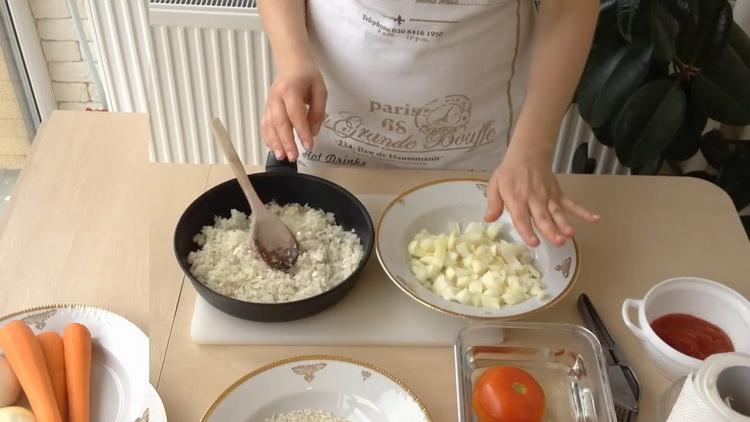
(525, 185)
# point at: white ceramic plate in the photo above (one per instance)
(154, 408)
(344, 387)
(432, 207)
(119, 369)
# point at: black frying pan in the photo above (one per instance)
(281, 183)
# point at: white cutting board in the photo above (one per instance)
(375, 312)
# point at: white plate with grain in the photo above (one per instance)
(341, 389)
(433, 207)
(120, 389)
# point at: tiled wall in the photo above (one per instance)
(71, 77)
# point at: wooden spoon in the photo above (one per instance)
(276, 243)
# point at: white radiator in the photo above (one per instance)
(573, 132)
(184, 61)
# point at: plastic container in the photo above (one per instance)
(567, 360)
(706, 299)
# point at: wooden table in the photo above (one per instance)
(76, 233)
(75, 230)
(652, 228)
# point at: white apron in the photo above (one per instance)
(428, 84)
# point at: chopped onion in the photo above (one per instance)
(475, 266)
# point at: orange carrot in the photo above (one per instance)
(52, 346)
(77, 345)
(26, 358)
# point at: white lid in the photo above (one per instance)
(722, 382)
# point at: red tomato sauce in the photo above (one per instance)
(691, 335)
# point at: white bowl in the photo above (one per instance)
(432, 207)
(706, 299)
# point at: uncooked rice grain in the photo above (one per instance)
(228, 261)
(306, 415)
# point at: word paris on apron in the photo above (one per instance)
(419, 83)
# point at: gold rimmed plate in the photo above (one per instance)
(120, 389)
(347, 388)
(432, 207)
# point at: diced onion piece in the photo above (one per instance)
(493, 229)
(420, 273)
(473, 227)
(460, 272)
(475, 267)
(440, 284)
(490, 279)
(413, 247)
(432, 271)
(476, 287)
(538, 292)
(454, 228)
(449, 293)
(451, 259)
(451, 243)
(472, 237)
(463, 296)
(513, 296)
(490, 301)
(463, 249)
(478, 266)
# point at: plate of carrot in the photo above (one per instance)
(75, 363)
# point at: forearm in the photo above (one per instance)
(284, 23)
(562, 42)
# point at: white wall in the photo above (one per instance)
(70, 75)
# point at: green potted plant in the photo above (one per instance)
(660, 71)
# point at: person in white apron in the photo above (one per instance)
(433, 84)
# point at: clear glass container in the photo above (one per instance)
(567, 360)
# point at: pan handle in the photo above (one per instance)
(281, 166)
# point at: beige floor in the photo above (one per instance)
(14, 139)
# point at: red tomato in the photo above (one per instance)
(508, 394)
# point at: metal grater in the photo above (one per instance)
(623, 414)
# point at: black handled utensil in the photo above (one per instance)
(623, 382)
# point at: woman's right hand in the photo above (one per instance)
(296, 101)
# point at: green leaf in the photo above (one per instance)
(734, 178)
(714, 149)
(702, 175)
(663, 29)
(647, 123)
(686, 11)
(590, 166)
(582, 163)
(604, 57)
(740, 42)
(607, 16)
(722, 90)
(697, 45)
(580, 157)
(685, 142)
(609, 83)
(626, 12)
(603, 134)
(629, 73)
